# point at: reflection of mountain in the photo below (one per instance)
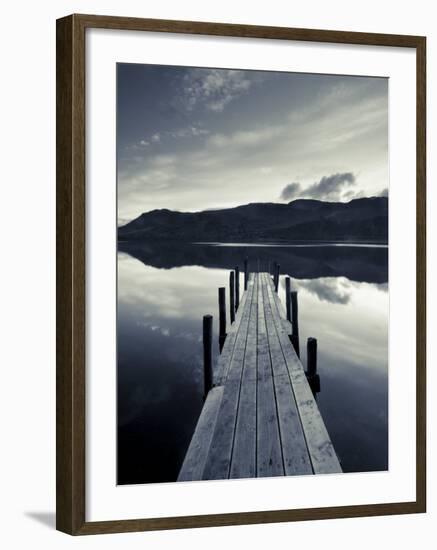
(358, 220)
(355, 263)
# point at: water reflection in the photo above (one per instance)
(367, 264)
(161, 300)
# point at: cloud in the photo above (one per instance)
(249, 161)
(291, 191)
(329, 188)
(190, 131)
(214, 88)
(245, 138)
(332, 290)
(384, 193)
(353, 194)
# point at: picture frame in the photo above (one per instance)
(71, 203)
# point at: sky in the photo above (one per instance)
(193, 139)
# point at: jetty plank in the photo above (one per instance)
(220, 451)
(243, 463)
(195, 458)
(261, 418)
(294, 448)
(269, 454)
(323, 456)
(228, 347)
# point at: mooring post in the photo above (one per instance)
(222, 316)
(288, 298)
(237, 287)
(294, 322)
(246, 273)
(311, 373)
(273, 273)
(278, 267)
(311, 357)
(207, 353)
(232, 296)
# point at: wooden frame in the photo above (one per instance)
(70, 205)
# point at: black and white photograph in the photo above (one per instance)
(252, 273)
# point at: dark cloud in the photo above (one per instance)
(291, 191)
(384, 193)
(330, 187)
(333, 187)
(352, 194)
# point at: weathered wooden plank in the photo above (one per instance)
(228, 347)
(288, 327)
(250, 360)
(218, 461)
(269, 455)
(195, 458)
(294, 448)
(234, 370)
(264, 420)
(220, 453)
(243, 462)
(323, 457)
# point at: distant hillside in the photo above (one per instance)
(358, 220)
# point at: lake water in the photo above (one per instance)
(163, 292)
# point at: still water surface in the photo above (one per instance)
(163, 293)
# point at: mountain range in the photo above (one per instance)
(364, 219)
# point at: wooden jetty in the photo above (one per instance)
(260, 417)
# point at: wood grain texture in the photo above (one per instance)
(195, 459)
(268, 423)
(421, 273)
(269, 453)
(243, 461)
(70, 256)
(220, 452)
(228, 348)
(323, 457)
(295, 453)
(70, 277)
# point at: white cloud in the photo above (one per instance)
(180, 133)
(189, 131)
(214, 88)
(246, 138)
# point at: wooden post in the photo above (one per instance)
(295, 322)
(237, 287)
(246, 273)
(288, 298)
(207, 353)
(311, 357)
(311, 373)
(222, 316)
(278, 267)
(232, 296)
